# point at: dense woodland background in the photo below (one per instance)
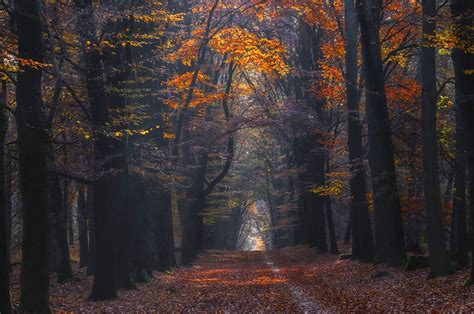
(148, 131)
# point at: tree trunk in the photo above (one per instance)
(90, 218)
(389, 238)
(362, 243)
(459, 239)
(331, 228)
(164, 231)
(439, 257)
(59, 226)
(348, 233)
(462, 11)
(83, 228)
(34, 279)
(142, 198)
(104, 280)
(4, 255)
(68, 209)
(459, 243)
(309, 151)
(8, 197)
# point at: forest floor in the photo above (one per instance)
(289, 280)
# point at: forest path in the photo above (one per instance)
(295, 279)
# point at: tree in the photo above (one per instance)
(362, 241)
(462, 12)
(4, 255)
(104, 277)
(438, 252)
(389, 238)
(32, 159)
(83, 227)
(459, 243)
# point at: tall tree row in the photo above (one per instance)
(169, 126)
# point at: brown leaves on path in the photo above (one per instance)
(287, 280)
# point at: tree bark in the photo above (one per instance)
(59, 226)
(83, 228)
(4, 255)
(68, 209)
(389, 237)
(331, 228)
(439, 257)
(164, 231)
(462, 11)
(104, 287)
(362, 243)
(34, 279)
(90, 217)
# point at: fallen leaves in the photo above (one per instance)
(287, 280)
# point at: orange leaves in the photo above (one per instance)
(250, 51)
(183, 81)
(179, 86)
(332, 86)
(187, 52)
(403, 92)
(317, 12)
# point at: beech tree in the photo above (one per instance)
(171, 128)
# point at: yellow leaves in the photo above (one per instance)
(445, 102)
(233, 203)
(169, 136)
(334, 188)
(142, 132)
(250, 51)
(14, 64)
(399, 58)
(160, 16)
(449, 38)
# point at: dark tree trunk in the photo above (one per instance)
(8, 197)
(459, 237)
(459, 243)
(124, 232)
(68, 208)
(4, 255)
(439, 257)
(104, 280)
(190, 214)
(117, 67)
(59, 226)
(331, 228)
(90, 217)
(389, 238)
(83, 227)
(34, 280)
(141, 196)
(348, 233)
(362, 239)
(309, 151)
(463, 11)
(164, 231)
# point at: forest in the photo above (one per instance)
(236, 156)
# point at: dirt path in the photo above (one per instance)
(219, 281)
(293, 280)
